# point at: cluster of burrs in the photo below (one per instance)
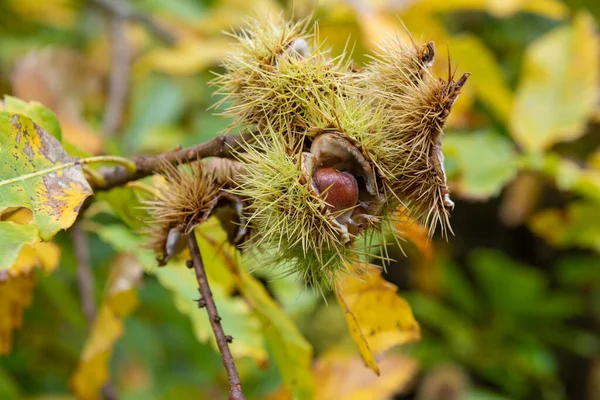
(336, 152)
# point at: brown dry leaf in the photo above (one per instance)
(120, 299)
(15, 294)
(559, 83)
(61, 79)
(377, 316)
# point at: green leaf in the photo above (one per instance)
(480, 163)
(496, 272)
(529, 296)
(157, 102)
(567, 174)
(457, 330)
(458, 289)
(39, 114)
(578, 225)
(32, 166)
(558, 89)
(181, 282)
(291, 352)
(579, 271)
(237, 318)
(126, 202)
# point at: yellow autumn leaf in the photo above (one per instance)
(189, 56)
(15, 294)
(120, 299)
(558, 89)
(40, 254)
(499, 8)
(16, 283)
(486, 76)
(377, 316)
(234, 13)
(342, 377)
(60, 13)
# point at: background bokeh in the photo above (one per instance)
(509, 305)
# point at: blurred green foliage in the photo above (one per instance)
(511, 302)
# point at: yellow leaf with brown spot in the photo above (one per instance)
(120, 299)
(34, 177)
(15, 294)
(377, 316)
(557, 93)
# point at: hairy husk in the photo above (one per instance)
(309, 112)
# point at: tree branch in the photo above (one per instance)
(119, 77)
(222, 146)
(235, 388)
(85, 282)
(121, 9)
(85, 278)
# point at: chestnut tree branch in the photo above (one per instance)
(223, 146)
(121, 9)
(207, 300)
(119, 76)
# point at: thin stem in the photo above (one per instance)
(207, 300)
(85, 282)
(122, 161)
(85, 278)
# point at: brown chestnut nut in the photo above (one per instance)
(340, 188)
